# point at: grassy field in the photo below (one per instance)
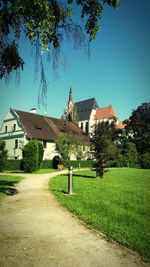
(118, 205)
(7, 184)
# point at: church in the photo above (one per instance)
(87, 114)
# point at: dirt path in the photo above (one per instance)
(36, 231)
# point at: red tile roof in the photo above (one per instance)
(105, 113)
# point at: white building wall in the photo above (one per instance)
(50, 151)
(92, 121)
(80, 123)
(11, 131)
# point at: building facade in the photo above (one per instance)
(19, 127)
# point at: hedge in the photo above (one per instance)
(74, 163)
(77, 163)
(13, 164)
(46, 164)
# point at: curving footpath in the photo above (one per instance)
(35, 230)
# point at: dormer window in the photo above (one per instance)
(14, 129)
(37, 127)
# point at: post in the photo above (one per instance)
(70, 180)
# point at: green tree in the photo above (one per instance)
(3, 156)
(68, 144)
(32, 156)
(63, 146)
(145, 160)
(128, 156)
(77, 147)
(46, 24)
(112, 152)
(138, 128)
(102, 138)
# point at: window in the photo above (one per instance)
(14, 127)
(6, 129)
(87, 127)
(16, 143)
(37, 127)
(44, 144)
(82, 125)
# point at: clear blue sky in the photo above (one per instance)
(117, 73)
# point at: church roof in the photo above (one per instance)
(105, 113)
(46, 128)
(84, 108)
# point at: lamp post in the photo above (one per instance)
(70, 171)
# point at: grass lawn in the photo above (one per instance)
(117, 205)
(7, 184)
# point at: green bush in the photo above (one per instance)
(31, 156)
(13, 164)
(46, 164)
(145, 160)
(3, 156)
(40, 154)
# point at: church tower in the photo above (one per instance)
(70, 113)
(70, 102)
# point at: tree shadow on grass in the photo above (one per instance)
(6, 187)
(85, 176)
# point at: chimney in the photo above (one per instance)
(33, 110)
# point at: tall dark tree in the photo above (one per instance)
(45, 23)
(104, 134)
(138, 128)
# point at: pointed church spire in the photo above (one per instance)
(70, 94)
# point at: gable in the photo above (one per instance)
(11, 122)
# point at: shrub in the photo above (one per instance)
(32, 156)
(13, 164)
(77, 163)
(40, 154)
(46, 164)
(3, 156)
(145, 160)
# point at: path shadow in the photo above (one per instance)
(6, 187)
